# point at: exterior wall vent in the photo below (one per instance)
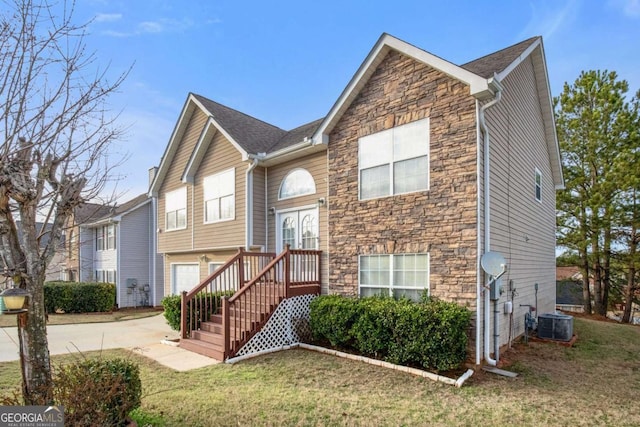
(555, 326)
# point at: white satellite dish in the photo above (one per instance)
(493, 264)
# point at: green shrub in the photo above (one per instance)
(431, 334)
(210, 301)
(332, 317)
(98, 391)
(79, 297)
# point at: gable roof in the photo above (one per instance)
(90, 212)
(116, 212)
(496, 62)
(256, 139)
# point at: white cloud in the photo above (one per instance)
(631, 8)
(150, 27)
(546, 18)
(108, 17)
(159, 26)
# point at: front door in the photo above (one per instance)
(298, 228)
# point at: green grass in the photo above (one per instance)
(595, 383)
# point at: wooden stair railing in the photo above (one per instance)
(292, 273)
(201, 302)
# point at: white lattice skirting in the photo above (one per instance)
(288, 324)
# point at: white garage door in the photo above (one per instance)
(184, 277)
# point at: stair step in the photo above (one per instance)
(204, 348)
(208, 336)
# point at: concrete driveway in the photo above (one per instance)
(140, 335)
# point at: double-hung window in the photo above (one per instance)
(394, 161)
(106, 237)
(176, 209)
(398, 275)
(219, 196)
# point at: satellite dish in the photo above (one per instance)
(493, 263)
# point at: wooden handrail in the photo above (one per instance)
(250, 307)
(194, 311)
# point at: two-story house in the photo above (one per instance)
(117, 245)
(420, 167)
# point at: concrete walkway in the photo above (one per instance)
(143, 336)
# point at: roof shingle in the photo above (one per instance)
(496, 62)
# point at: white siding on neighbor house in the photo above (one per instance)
(134, 248)
(86, 254)
(522, 228)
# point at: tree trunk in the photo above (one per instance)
(34, 350)
(597, 275)
(630, 291)
(606, 269)
(586, 290)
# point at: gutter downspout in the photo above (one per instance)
(153, 250)
(487, 225)
(248, 202)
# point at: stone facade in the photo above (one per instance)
(441, 221)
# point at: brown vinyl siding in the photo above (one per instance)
(194, 258)
(220, 156)
(316, 165)
(179, 240)
(522, 229)
(259, 207)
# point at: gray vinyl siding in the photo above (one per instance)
(169, 241)
(316, 165)
(134, 249)
(522, 229)
(220, 156)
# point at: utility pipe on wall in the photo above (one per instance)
(487, 224)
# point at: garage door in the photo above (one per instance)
(184, 277)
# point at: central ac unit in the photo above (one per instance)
(555, 326)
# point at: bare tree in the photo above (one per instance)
(56, 131)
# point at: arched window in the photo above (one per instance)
(297, 183)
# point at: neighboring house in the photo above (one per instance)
(55, 268)
(75, 261)
(391, 185)
(117, 245)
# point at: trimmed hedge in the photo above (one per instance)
(172, 309)
(431, 334)
(79, 297)
(98, 391)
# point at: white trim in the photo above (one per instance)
(315, 188)
(231, 170)
(390, 285)
(537, 173)
(279, 213)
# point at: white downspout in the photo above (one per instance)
(153, 252)
(487, 218)
(248, 203)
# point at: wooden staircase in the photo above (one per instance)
(216, 325)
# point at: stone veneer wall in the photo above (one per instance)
(440, 221)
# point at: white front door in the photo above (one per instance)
(184, 277)
(298, 228)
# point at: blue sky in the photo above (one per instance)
(287, 62)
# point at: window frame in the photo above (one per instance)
(106, 238)
(175, 211)
(387, 142)
(537, 182)
(392, 261)
(220, 197)
(288, 175)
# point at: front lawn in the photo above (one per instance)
(595, 383)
